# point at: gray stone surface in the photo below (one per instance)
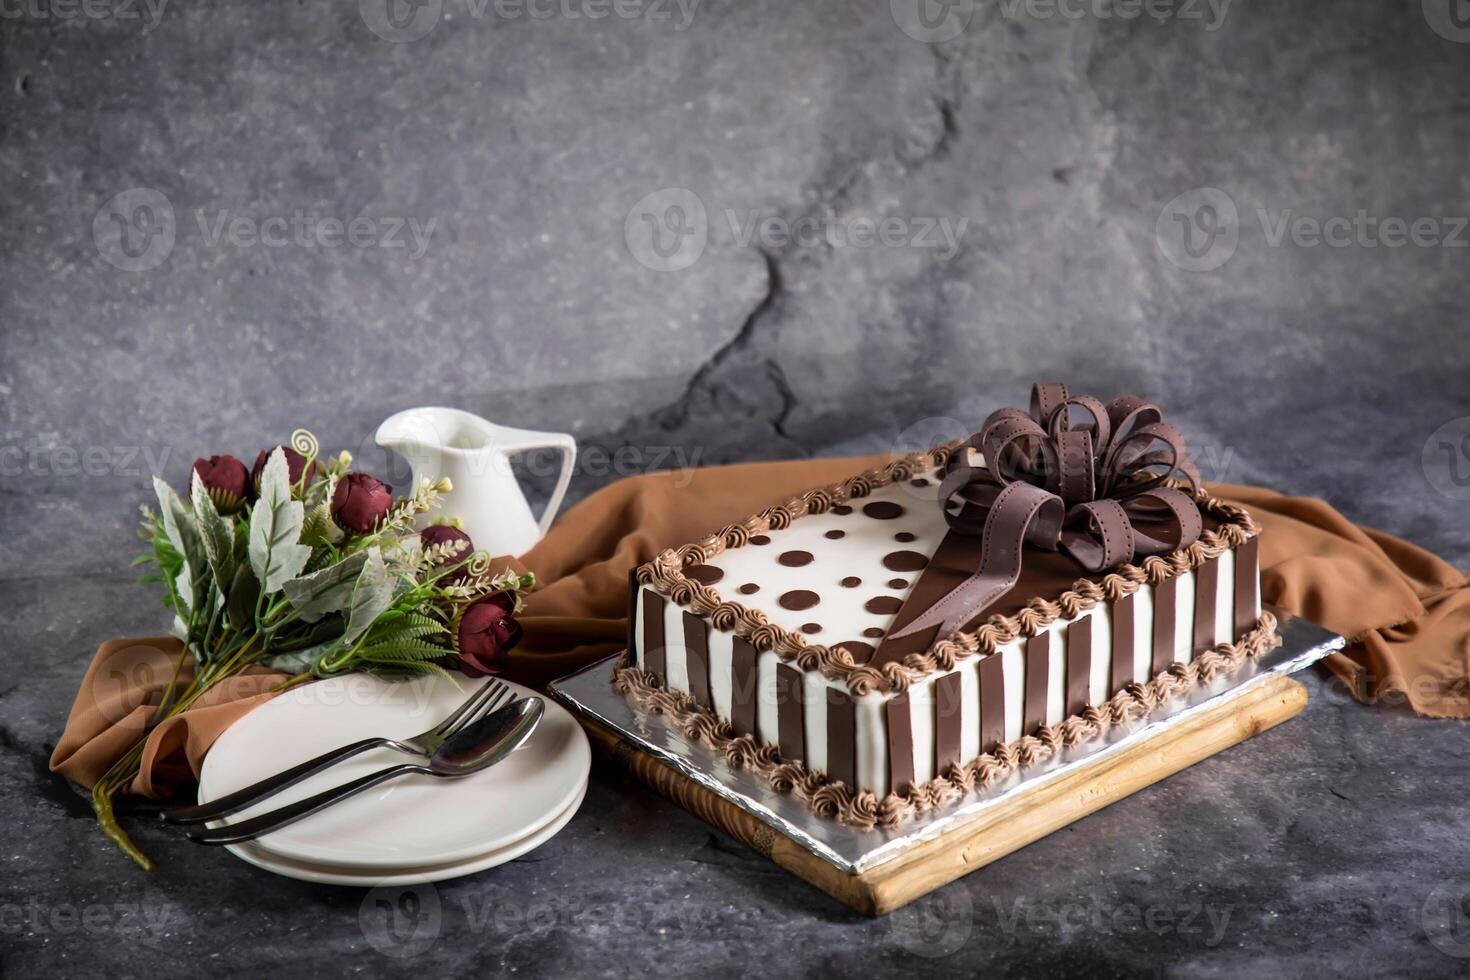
(533, 144)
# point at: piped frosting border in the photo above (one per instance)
(665, 575)
(864, 808)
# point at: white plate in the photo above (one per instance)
(410, 822)
(369, 878)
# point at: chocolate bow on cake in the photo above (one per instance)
(1072, 475)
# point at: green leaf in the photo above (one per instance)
(372, 594)
(403, 649)
(177, 523)
(275, 528)
(302, 661)
(244, 593)
(183, 535)
(329, 590)
(404, 633)
(414, 669)
(184, 586)
(217, 535)
(319, 529)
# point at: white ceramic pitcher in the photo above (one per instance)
(475, 455)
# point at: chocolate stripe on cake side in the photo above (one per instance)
(1122, 643)
(1166, 603)
(633, 614)
(1079, 664)
(1206, 596)
(900, 744)
(743, 697)
(790, 722)
(655, 649)
(992, 702)
(841, 737)
(1247, 580)
(949, 721)
(1038, 677)
(696, 657)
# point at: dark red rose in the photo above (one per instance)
(360, 502)
(442, 534)
(484, 634)
(296, 465)
(225, 480)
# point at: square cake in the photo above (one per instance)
(777, 641)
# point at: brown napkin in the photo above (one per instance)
(1406, 612)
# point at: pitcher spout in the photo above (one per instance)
(425, 433)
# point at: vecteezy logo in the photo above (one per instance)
(134, 231)
(1450, 19)
(932, 21)
(920, 437)
(936, 926)
(1198, 230)
(401, 921)
(667, 230)
(1445, 917)
(1445, 459)
(400, 20)
(127, 681)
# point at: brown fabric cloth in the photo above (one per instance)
(1406, 611)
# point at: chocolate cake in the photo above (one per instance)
(882, 645)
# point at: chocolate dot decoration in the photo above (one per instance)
(904, 561)
(918, 482)
(811, 627)
(759, 539)
(883, 510)
(904, 537)
(851, 582)
(749, 588)
(883, 605)
(872, 632)
(898, 583)
(835, 534)
(704, 574)
(795, 559)
(798, 599)
(860, 652)
(842, 510)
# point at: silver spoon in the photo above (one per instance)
(474, 749)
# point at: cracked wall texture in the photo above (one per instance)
(1058, 142)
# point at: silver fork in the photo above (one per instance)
(489, 697)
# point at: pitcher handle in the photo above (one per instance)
(511, 440)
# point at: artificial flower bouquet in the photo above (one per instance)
(307, 568)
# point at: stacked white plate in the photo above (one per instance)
(411, 829)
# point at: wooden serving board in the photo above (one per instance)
(1025, 817)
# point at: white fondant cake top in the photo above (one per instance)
(841, 612)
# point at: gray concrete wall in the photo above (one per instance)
(503, 170)
(143, 322)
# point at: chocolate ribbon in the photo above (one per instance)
(1069, 475)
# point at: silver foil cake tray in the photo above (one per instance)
(853, 850)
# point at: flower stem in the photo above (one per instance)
(122, 772)
(120, 775)
(292, 682)
(168, 693)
